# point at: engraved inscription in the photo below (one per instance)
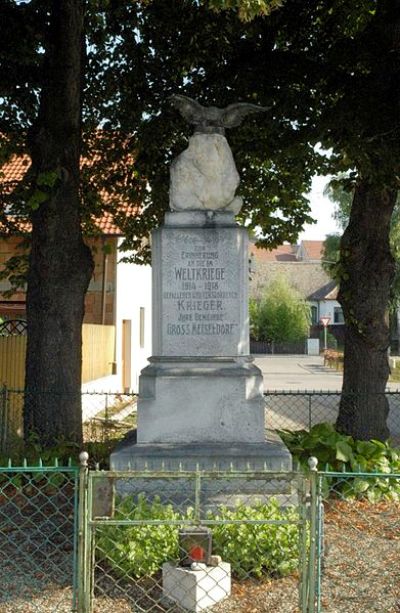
(200, 302)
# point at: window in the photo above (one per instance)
(141, 327)
(338, 315)
(314, 315)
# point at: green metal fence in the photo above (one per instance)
(38, 538)
(132, 554)
(300, 410)
(106, 416)
(355, 542)
(74, 540)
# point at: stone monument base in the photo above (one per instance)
(203, 400)
(230, 473)
(271, 455)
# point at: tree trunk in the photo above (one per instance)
(367, 269)
(60, 265)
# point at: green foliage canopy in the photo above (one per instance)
(339, 192)
(281, 315)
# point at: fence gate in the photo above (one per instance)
(38, 538)
(355, 542)
(139, 527)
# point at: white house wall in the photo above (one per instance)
(326, 309)
(133, 292)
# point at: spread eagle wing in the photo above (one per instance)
(190, 109)
(234, 114)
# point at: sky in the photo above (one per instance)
(322, 210)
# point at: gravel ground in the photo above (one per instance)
(361, 566)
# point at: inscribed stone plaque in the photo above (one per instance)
(200, 291)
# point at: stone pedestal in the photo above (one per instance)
(196, 590)
(201, 398)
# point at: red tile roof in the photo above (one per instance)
(283, 253)
(313, 249)
(13, 171)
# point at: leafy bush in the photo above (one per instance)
(281, 315)
(140, 550)
(341, 453)
(257, 548)
(251, 549)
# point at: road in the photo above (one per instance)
(297, 372)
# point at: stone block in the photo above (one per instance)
(200, 279)
(196, 590)
(207, 401)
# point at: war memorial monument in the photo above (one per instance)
(201, 399)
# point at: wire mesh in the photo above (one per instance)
(359, 545)
(258, 527)
(302, 410)
(107, 416)
(38, 538)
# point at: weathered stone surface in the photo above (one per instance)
(208, 401)
(196, 590)
(270, 455)
(204, 176)
(201, 399)
(200, 291)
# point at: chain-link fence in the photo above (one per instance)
(188, 541)
(230, 542)
(107, 416)
(357, 542)
(291, 410)
(38, 538)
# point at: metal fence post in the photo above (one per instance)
(321, 542)
(83, 571)
(303, 542)
(312, 561)
(197, 494)
(3, 419)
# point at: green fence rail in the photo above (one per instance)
(355, 541)
(38, 537)
(83, 541)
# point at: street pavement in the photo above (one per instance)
(297, 372)
(300, 373)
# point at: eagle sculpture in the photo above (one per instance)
(211, 119)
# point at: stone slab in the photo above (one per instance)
(199, 219)
(270, 455)
(196, 590)
(200, 295)
(203, 402)
(230, 474)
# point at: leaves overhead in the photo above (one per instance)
(329, 71)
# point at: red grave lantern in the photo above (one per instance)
(195, 545)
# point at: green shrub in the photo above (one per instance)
(139, 550)
(341, 453)
(281, 315)
(254, 549)
(136, 551)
